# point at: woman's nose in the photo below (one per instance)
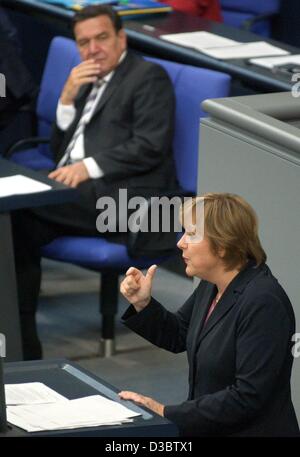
(181, 243)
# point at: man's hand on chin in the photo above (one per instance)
(71, 175)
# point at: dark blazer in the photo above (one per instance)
(130, 134)
(240, 361)
(19, 85)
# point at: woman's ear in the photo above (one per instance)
(221, 253)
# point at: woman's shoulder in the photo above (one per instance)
(264, 290)
(265, 283)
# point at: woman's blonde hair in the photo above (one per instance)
(230, 224)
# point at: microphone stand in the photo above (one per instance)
(3, 421)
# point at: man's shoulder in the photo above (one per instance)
(142, 65)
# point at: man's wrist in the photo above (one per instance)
(65, 99)
(66, 102)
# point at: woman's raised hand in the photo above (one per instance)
(136, 287)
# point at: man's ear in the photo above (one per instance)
(123, 38)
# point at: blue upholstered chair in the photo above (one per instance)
(192, 85)
(254, 15)
(62, 57)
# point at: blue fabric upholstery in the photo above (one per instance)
(191, 84)
(252, 6)
(235, 12)
(62, 57)
(94, 253)
(33, 158)
(235, 19)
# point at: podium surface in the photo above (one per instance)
(72, 381)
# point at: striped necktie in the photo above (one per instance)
(85, 117)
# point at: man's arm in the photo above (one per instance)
(81, 75)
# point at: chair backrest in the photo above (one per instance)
(192, 85)
(62, 57)
(235, 12)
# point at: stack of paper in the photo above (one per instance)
(245, 51)
(62, 413)
(199, 40)
(19, 184)
(223, 48)
(271, 62)
(31, 393)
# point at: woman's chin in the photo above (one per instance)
(188, 271)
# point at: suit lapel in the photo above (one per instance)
(201, 308)
(228, 299)
(79, 105)
(114, 83)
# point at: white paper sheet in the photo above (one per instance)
(223, 48)
(31, 393)
(199, 40)
(83, 412)
(271, 62)
(19, 184)
(245, 51)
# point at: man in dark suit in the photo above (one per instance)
(114, 129)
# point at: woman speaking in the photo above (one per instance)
(236, 327)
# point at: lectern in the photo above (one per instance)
(72, 381)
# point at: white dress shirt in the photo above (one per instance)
(65, 115)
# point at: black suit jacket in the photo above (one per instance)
(20, 87)
(130, 134)
(239, 362)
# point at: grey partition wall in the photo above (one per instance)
(251, 146)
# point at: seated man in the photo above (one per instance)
(114, 129)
